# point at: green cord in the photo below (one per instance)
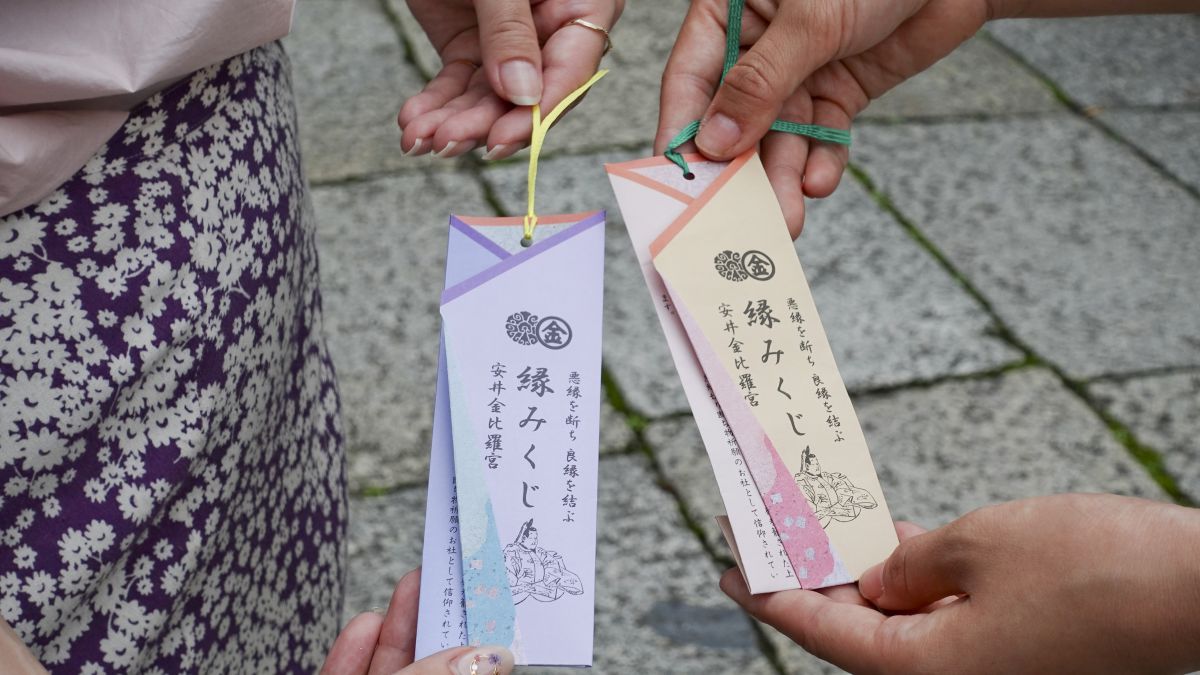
(732, 47)
(688, 133)
(733, 35)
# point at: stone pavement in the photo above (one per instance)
(1008, 276)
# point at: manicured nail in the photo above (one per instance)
(416, 147)
(456, 148)
(717, 135)
(485, 661)
(521, 81)
(494, 152)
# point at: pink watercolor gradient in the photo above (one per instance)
(804, 540)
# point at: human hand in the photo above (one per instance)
(808, 61)
(1068, 583)
(375, 645)
(499, 56)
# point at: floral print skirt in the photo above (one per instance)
(172, 487)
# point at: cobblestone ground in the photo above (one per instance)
(1008, 275)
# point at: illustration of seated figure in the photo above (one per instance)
(536, 572)
(832, 495)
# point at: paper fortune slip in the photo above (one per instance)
(510, 531)
(805, 508)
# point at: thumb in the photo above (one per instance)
(489, 660)
(512, 56)
(795, 44)
(922, 570)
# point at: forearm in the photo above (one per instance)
(15, 656)
(1012, 9)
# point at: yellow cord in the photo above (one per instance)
(540, 127)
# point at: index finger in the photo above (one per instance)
(693, 70)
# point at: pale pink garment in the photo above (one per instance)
(71, 71)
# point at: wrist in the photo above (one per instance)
(1172, 612)
(1189, 585)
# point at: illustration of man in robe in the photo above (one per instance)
(536, 572)
(832, 495)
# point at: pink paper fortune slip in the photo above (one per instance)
(805, 508)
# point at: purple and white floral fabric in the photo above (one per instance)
(172, 490)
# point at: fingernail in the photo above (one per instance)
(494, 152)
(485, 661)
(870, 584)
(717, 135)
(379, 610)
(416, 147)
(521, 81)
(443, 151)
(451, 147)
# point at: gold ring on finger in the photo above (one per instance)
(608, 45)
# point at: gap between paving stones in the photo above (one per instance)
(1118, 378)
(1147, 457)
(410, 51)
(1089, 114)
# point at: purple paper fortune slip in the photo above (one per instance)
(510, 532)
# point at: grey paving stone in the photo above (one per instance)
(350, 78)
(976, 79)
(957, 446)
(950, 448)
(386, 532)
(1112, 61)
(1167, 136)
(1083, 249)
(1164, 412)
(383, 251)
(892, 315)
